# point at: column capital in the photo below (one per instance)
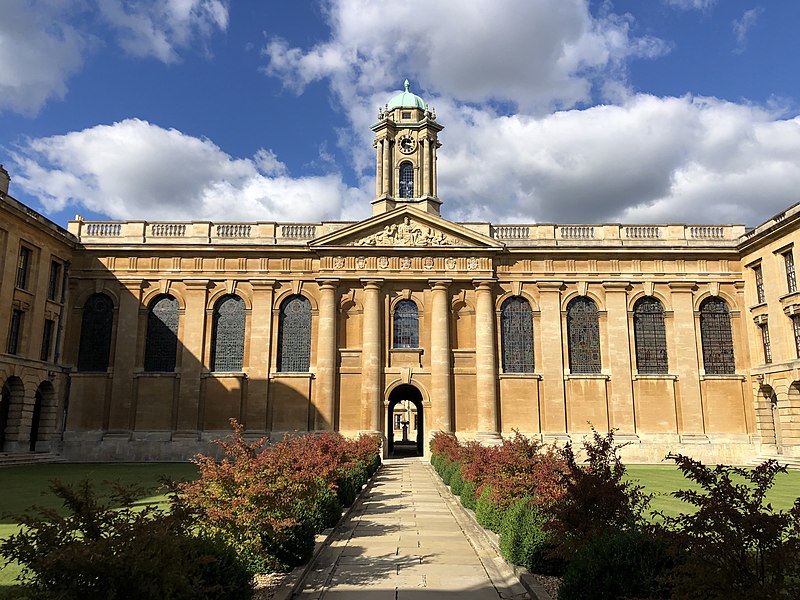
(262, 284)
(486, 284)
(682, 286)
(328, 283)
(439, 284)
(196, 284)
(550, 286)
(372, 283)
(616, 286)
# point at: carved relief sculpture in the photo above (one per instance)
(406, 233)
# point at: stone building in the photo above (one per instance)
(681, 337)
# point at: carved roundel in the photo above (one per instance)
(407, 144)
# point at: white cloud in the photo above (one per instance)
(159, 29)
(703, 5)
(534, 54)
(136, 170)
(39, 51)
(742, 27)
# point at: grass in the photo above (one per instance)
(25, 486)
(660, 480)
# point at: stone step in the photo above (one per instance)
(14, 459)
(791, 462)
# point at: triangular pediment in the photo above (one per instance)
(405, 227)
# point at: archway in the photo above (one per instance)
(405, 416)
(44, 400)
(13, 392)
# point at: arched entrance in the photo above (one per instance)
(13, 392)
(405, 431)
(44, 400)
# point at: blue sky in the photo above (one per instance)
(563, 111)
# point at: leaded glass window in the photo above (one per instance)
(716, 337)
(583, 335)
(227, 338)
(767, 344)
(23, 267)
(406, 325)
(516, 330)
(760, 296)
(95, 343)
(294, 351)
(650, 336)
(796, 329)
(791, 278)
(14, 331)
(162, 335)
(406, 180)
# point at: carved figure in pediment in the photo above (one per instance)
(406, 233)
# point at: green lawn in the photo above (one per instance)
(660, 480)
(21, 487)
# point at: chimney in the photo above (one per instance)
(4, 179)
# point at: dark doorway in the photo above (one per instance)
(410, 419)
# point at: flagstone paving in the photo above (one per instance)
(406, 539)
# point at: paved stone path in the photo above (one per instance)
(405, 539)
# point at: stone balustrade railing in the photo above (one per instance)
(512, 235)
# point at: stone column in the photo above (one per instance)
(426, 167)
(620, 409)
(378, 167)
(192, 347)
(371, 355)
(387, 166)
(686, 362)
(486, 360)
(554, 416)
(441, 367)
(326, 357)
(120, 416)
(260, 354)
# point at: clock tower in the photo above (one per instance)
(406, 140)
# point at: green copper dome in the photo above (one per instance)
(407, 100)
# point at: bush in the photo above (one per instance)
(621, 564)
(448, 470)
(349, 483)
(487, 513)
(468, 495)
(456, 481)
(525, 539)
(596, 497)
(737, 545)
(114, 549)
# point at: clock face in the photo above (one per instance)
(407, 144)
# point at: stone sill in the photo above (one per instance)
(568, 376)
(731, 376)
(520, 376)
(655, 376)
(291, 375)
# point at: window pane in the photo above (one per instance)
(583, 336)
(406, 180)
(228, 335)
(14, 331)
(516, 329)
(22, 267)
(47, 339)
(161, 344)
(406, 325)
(55, 277)
(95, 345)
(760, 297)
(716, 337)
(294, 351)
(767, 345)
(650, 336)
(791, 279)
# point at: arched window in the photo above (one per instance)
(406, 180)
(227, 335)
(516, 330)
(406, 325)
(95, 343)
(161, 344)
(716, 337)
(294, 335)
(650, 336)
(583, 336)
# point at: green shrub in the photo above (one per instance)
(488, 514)
(435, 463)
(525, 539)
(111, 548)
(448, 470)
(456, 481)
(622, 564)
(349, 483)
(468, 495)
(737, 545)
